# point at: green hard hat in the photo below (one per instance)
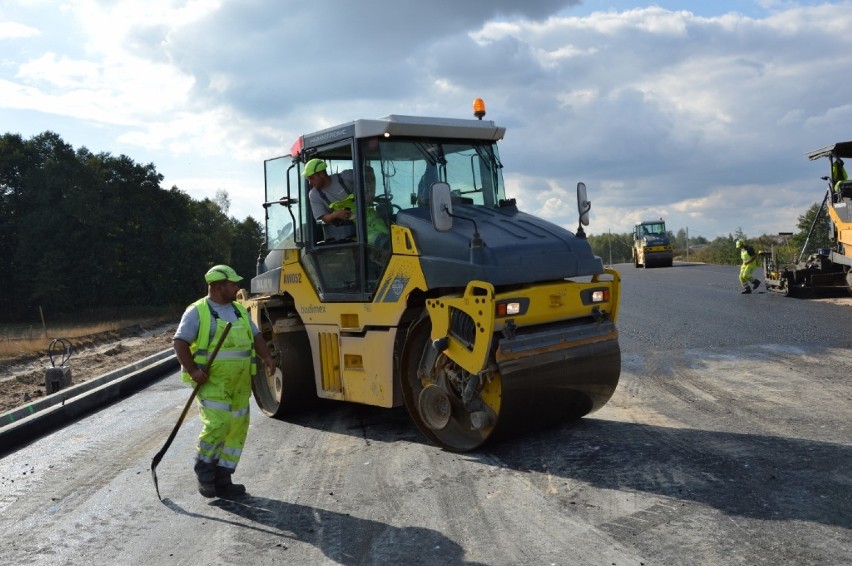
(315, 165)
(739, 243)
(221, 273)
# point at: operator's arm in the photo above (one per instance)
(184, 356)
(336, 211)
(321, 210)
(335, 215)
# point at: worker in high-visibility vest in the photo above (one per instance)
(838, 180)
(838, 171)
(749, 257)
(226, 386)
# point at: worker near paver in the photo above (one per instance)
(838, 171)
(749, 257)
(224, 391)
(838, 179)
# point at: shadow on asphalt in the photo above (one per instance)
(750, 475)
(343, 538)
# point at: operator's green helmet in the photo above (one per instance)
(221, 273)
(739, 243)
(315, 165)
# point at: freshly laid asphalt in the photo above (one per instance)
(25, 424)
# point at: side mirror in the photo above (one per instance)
(441, 206)
(583, 204)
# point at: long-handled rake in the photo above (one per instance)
(162, 452)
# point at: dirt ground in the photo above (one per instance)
(22, 379)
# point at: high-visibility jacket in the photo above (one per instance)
(838, 172)
(204, 343)
(375, 225)
(747, 269)
(224, 398)
(747, 253)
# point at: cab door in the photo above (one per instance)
(335, 255)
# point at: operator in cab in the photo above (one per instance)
(327, 189)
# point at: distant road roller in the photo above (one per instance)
(652, 246)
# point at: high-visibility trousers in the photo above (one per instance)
(746, 272)
(224, 407)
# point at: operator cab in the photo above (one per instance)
(388, 176)
(839, 187)
(839, 192)
(652, 229)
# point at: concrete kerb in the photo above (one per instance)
(54, 411)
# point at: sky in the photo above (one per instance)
(700, 113)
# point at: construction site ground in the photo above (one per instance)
(727, 442)
(23, 377)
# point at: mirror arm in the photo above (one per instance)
(476, 237)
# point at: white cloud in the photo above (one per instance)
(13, 30)
(127, 92)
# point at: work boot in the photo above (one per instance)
(205, 472)
(230, 491)
(207, 489)
(755, 283)
(746, 290)
(225, 488)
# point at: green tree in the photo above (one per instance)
(246, 239)
(83, 232)
(720, 251)
(819, 238)
(13, 163)
(679, 241)
(614, 246)
(223, 201)
(45, 243)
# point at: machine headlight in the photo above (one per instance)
(507, 309)
(595, 295)
(511, 307)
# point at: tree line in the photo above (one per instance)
(84, 232)
(616, 248)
